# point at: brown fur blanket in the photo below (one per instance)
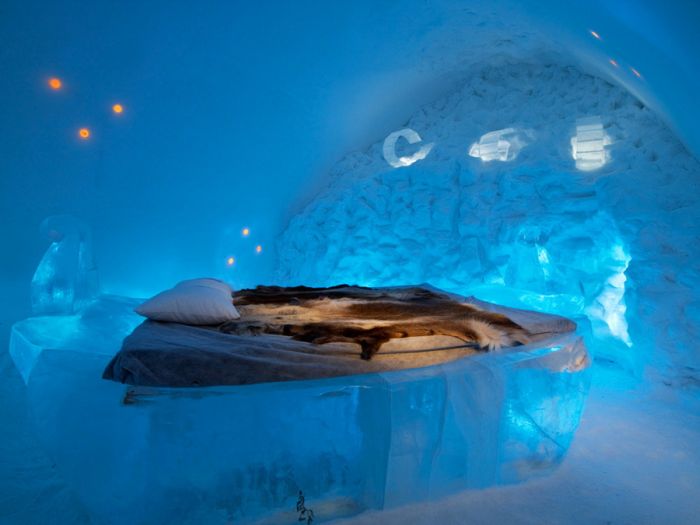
(368, 317)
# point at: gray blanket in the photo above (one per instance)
(177, 355)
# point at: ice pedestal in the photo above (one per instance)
(221, 454)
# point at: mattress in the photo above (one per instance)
(177, 355)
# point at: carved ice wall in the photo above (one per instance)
(614, 245)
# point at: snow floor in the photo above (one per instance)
(635, 460)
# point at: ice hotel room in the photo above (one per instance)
(350, 262)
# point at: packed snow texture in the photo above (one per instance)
(617, 246)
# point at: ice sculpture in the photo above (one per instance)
(503, 144)
(588, 146)
(66, 277)
(412, 137)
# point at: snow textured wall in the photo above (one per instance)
(617, 246)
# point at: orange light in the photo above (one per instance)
(118, 108)
(55, 83)
(594, 34)
(614, 63)
(84, 133)
(258, 249)
(230, 261)
(245, 232)
(636, 73)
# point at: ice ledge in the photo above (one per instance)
(98, 330)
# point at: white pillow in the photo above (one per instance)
(196, 301)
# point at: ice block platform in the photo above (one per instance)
(241, 453)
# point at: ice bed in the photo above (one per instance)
(154, 454)
(251, 349)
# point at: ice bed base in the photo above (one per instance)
(241, 454)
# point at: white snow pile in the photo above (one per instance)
(617, 245)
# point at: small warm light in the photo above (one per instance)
(55, 83)
(594, 34)
(84, 133)
(230, 261)
(246, 232)
(613, 62)
(118, 108)
(636, 73)
(258, 249)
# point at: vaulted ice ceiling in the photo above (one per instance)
(234, 111)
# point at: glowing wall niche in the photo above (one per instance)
(503, 145)
(588, 145)
(609, 307)
(412, 137)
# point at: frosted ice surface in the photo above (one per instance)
(503, 145)
(218, 454)
(66, 277)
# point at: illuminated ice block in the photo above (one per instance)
(233, 454)
(412, 137)
(571, 266)
(589, 143)
(503, 145)
(66, 278)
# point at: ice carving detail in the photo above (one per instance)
(412, 137)
(503, 144)
(588, 146)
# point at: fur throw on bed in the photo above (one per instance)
(368, 317)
